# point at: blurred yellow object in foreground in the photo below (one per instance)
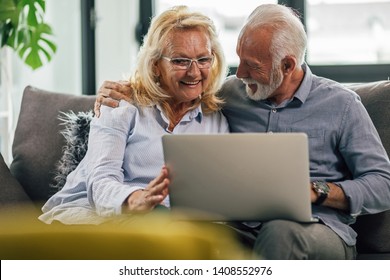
(149, 237)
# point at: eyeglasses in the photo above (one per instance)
(181, 63)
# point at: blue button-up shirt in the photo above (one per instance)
(344, 146)
(124, 155)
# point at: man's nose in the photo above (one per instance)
(241, 72)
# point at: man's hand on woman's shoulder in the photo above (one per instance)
(110, 93)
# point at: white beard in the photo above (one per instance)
(264, 91)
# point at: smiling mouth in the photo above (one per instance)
(253, 87)
(190, 83)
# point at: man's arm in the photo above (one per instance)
(336, 197)
(368, 188)
(110, 93)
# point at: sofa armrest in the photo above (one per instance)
(11, 192)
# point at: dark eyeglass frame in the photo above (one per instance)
(183, 63)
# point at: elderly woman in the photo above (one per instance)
(180, 69)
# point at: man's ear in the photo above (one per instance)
(288, 64)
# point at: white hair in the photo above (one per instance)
(289, 37)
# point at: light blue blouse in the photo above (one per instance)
(124, 155)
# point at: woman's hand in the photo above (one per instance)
(110, 93)
(145, 200)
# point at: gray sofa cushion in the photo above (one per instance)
(38, 143)
(373, 233)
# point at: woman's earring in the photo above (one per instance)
(158, 84)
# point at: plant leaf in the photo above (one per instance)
(22, 27)
(51, 45)
(9, 17)
(38, 47)
(7, 8)
(5, 33)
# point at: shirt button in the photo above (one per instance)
(274, 110)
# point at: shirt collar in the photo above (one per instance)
(304, 89)
(196, 114)
(301, 93)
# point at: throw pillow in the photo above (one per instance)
(76, 133)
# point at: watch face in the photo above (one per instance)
(321, 187)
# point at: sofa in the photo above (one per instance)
(38, 147)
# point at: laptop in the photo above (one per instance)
(239, 176)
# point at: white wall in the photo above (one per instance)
(116, 46)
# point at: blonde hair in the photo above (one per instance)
(146, 92)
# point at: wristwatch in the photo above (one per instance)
(322, 189)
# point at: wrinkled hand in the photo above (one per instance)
(110, 93)
(145, 200)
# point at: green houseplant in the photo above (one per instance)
(23, 29)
